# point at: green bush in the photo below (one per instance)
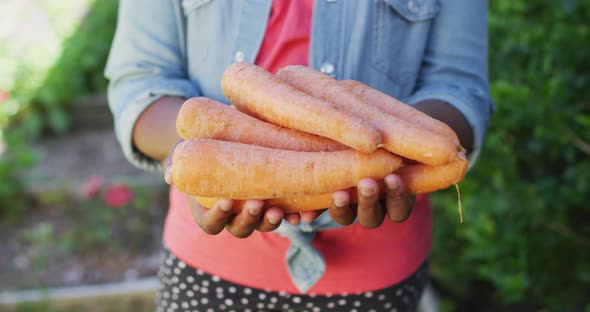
(526, 236)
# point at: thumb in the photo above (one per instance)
(167, 164)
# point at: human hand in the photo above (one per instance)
(370, 210)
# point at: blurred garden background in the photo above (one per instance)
(73, 212)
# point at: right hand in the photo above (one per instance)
(253, 216)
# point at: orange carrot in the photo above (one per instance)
(391, 105)
(205, 118)
(259, 93)
(421, 178)
(241, 171)
(399, 136)
(287, 204)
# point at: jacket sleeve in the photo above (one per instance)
(455, 68)
(146, 62)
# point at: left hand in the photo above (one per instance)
(370, 210)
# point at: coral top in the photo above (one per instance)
(357, 259)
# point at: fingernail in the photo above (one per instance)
(274, 220)
(392, 185)
(254, 210)
(339, 202)
(225, 206)
(367, 192)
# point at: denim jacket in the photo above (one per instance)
(413, 50)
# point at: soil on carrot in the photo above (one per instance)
(66, 238)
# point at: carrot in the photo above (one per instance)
(241, 171)
(421, 178)
(391, 105)
(259, 93)
(205, 118)
(287, 204)
(399, 136)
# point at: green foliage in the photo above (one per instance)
(36, 106)
(527, 224)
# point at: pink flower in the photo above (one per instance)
(91, 187)
(118, 195)
(4, 95)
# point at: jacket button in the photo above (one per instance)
(327, 68)
(239, 56)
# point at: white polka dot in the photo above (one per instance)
(309, 304)
(262, 296)
(184, 305)
(296, 299)
(200, 272)
(394, 310)
(331, 305)
(372, 310)
(170, 310)
(247, 310)
(168, 261)
(190, 279)
(182, 286)
(354, 310)
(388, 305)
(271, 305)
(174, 296)
(285, 306)
(181, 264)
(204, 300)
(194, 303)
(175, 279)
(312, 295)
(290, 310)
(342, 302)
(210, 310)
(328, 295)
(222, 307)
(260, 305)
(244, 301)
(196, 287)
(247, 291)
(232, 290)
(381, 297)
(204, 290)
(215, 278)
(369, 294)
(177, 271)
(175, 290)
(283, 293)
(273, 299)
(218, 290)
(190, 293)
(166, 295)
(174, 305)
(398, 292)
(229, 302)
(316, 309)
(220, 296)
(357, 303)
(205, 283)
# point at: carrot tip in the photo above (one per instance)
(459, 202)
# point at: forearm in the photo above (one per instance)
(155, 133)
(452, 117)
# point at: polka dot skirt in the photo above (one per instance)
(183, 288)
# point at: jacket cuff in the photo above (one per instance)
(474, 104)
(129, 105)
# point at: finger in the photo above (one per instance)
(340, 209)
(398, 202)
(271, 220)
(244, 223)
(213, 220)
(309, 216)
(167, 164)
(293, 218)
(370, 213)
